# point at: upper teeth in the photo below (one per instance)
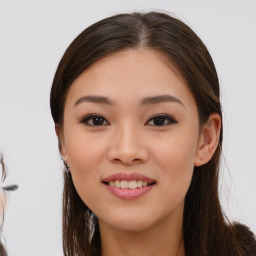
(128, 184)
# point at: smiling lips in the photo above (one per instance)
(133, 184)
(128, 186)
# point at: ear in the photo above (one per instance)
(61, 142)
(208, 140)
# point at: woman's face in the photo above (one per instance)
(131, 121)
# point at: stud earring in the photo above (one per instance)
(67, 167)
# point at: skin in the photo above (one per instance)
(2, 204)
(130, 141)
(2, 192)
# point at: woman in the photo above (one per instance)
(135, 100)
(3, 200)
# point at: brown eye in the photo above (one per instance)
(94, 120)
(161, 120)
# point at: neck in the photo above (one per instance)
(163, 239)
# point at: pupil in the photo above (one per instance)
(97, 121)
(159, 121)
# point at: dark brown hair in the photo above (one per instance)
(3, 175)
(205, 228)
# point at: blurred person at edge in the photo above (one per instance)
(3, 190)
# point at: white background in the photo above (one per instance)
(33, 37)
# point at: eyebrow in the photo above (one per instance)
(161, 99)
(94, 99)
(145, 101)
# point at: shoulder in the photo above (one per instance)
(245, 238)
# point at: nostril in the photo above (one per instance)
(117, 160)
(136, 160)
(126, 156)
(127, 160)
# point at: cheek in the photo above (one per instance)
(175, 157)
(84, 151)
(85, 154)
(177, 153)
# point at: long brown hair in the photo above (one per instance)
(205, 228)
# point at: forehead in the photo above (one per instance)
(131, 74)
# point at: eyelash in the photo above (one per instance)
(92, 117)
(102, 120)
(165, 117)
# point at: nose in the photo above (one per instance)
(127, 146)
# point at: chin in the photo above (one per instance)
(129, 222)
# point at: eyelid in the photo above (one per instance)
(86, 118)
(162, 115)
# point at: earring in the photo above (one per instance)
(67, 167)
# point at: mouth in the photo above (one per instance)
(126, 184)
(129, 186)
